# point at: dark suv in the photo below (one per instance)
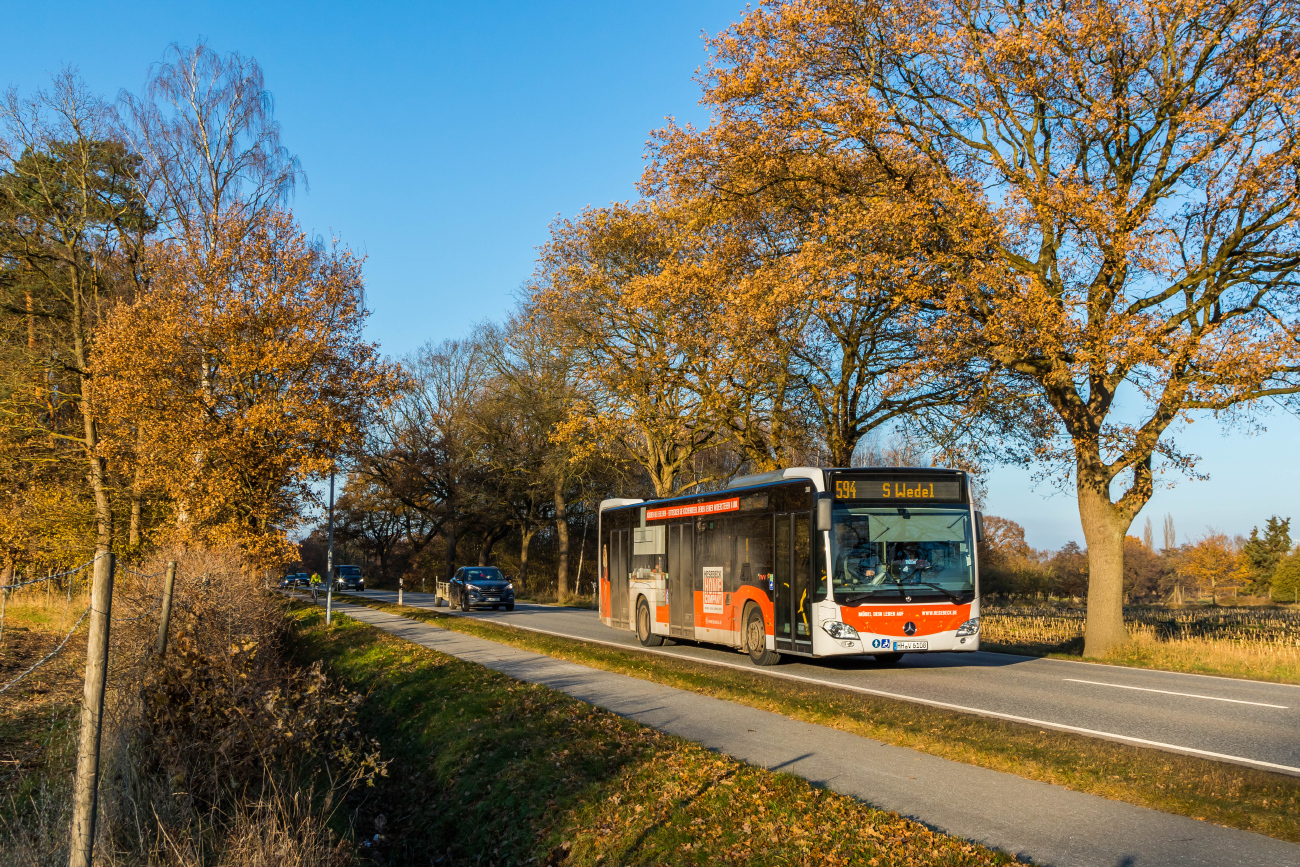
(349, 578)
(481, 587)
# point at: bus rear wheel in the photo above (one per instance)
(643, 633)
(756, 639)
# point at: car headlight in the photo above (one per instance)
(836, 629)
(970, 627)
(472, 587)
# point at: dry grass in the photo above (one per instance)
(38, 719)
(175, 791)
(1257, 643)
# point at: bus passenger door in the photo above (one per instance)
(619, 560)
(793, 602)
(801, 586)
(781, 568)
(681, 585)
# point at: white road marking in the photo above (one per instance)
(753, 669)
(1169, 692)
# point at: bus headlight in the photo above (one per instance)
(970, 627)
(836, 629)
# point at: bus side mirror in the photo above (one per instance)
(979, 526)
(824, 504)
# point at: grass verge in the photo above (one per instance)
(1224, 794)
(1252, 643)
(487, 769)
(1188, 655)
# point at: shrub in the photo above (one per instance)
(1286, 579)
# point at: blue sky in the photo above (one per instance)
(440, 140)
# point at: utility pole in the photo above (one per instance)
(329, 559)
(165, 619)
(85, 793)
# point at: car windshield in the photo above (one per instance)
(485, 573)
(902, 554)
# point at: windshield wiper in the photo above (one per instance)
(946, 592)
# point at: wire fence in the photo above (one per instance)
(53, 653)
(73, 571)
(125, 595)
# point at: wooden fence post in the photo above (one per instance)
(165, 619)
(85, 793)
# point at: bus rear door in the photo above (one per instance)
(681, 580)
(620, 555)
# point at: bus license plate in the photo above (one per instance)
(911, 645)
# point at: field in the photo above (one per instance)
(1258, 643)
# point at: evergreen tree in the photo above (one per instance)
(1262, 555)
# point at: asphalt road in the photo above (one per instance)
(1239, 721)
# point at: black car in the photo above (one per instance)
(481, 587)
(349, 578)
(299, 579)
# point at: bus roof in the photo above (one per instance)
(817, 475)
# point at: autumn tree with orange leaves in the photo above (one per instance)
(626, 289)
(246, 375)
(831, 249)
(1125, 176)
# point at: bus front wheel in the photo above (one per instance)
(643, 633)
(756, 639)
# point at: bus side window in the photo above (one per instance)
(724, 547)
(754, 550)
(818, 589)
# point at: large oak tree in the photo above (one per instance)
(1138, 162)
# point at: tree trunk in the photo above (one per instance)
(490, 541)
(133, 538)
(1104, 527)
(97, 471)
(453, 537)
(582, 553)
(526, 536)
(562, 534)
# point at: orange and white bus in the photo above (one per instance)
(802, 561)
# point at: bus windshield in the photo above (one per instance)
(896, 554)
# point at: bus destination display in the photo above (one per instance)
(898, 486)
